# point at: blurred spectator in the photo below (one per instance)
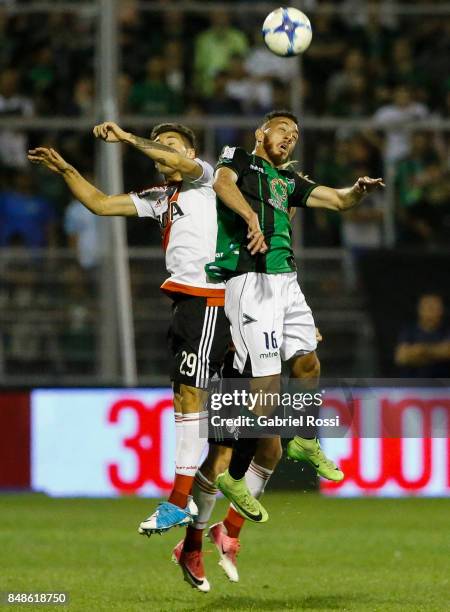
(361, 228)
(77, 340)
(124, 85)
(262, 63)
(402, 68)
(281, 95)
(214, 49)
(153, 96)
(81, 227)
(13, 143)
(423, 349)
(402, 109)
(26, 219)
(220, 103)
(323, 57)
(340, 82)
(362, 13)
(135, 46)
(422, 192)
(173, 52)
(83, 98)
(354, 99)
(254, 95)
(374, 37)
(41, 76)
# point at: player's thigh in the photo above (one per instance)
(305, 366)
(252, 306)
(299, 330)
(200, 335)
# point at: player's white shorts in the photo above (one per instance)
(270, 321)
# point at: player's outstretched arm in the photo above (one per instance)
(95, 200)
(230, 194)
(343, 199)
(164, 155)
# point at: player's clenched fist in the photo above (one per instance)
(110, 132)
(48, 158)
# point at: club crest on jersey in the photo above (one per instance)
(228, 152)
(279, 193)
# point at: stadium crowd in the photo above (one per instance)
(366, 63)
(376, 66)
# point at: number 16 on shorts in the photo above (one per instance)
(270, 340)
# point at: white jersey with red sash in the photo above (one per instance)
(186, 212)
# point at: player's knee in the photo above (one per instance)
(306, 366)
(268, 453)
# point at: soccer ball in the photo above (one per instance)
(287, 31)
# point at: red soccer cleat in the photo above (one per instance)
(228, 549)
(191, 564)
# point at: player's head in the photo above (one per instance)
(430, 310)
(177, 136)
(402, 96)
(277, 136)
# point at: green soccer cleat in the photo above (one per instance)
(301, 449)
(236, 491)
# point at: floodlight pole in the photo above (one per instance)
(111, 174)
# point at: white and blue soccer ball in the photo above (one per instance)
(287, 31)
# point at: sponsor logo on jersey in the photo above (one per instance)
(247, 319)
(268, 355)
(173, 212)
(257, 168)
(228, 152)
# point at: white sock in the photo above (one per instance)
(204, 493)
(256, 478)
(190, 450)
(178, 431)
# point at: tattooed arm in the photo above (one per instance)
(167, 157)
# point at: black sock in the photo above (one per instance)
(243, 451)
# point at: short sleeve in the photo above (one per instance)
(145, 204)
(207, 175)
(234, 158)
(302, 189)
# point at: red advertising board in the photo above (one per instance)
(14, 440)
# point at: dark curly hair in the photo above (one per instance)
(186, 132)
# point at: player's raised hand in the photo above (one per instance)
(365, 184)
(257, 242)
(109, 132)
(49, 158)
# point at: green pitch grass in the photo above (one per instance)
(313, 554)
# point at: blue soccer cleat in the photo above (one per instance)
(166, 516)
